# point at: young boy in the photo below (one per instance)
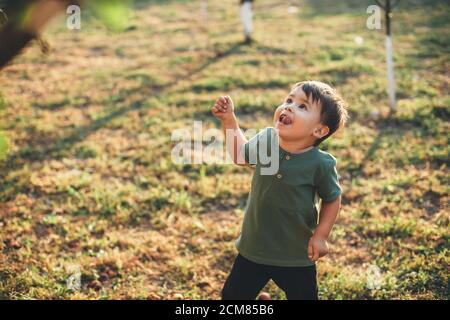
(282, 234)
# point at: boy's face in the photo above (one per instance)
(299, 117)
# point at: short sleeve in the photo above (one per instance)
(328, 186)
(262, 140)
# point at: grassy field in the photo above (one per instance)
(89, 182)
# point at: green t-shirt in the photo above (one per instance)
(282, 208)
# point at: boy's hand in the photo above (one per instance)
(317, 247)
(223, 109)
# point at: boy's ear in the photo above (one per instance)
(321, 131)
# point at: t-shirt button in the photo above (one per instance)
(288, 157)
(279, 176)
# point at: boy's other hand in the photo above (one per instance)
(223, 109)
(317, 247)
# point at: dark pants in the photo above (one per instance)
(247, 278)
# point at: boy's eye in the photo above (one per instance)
(289, 100)
(302, 106)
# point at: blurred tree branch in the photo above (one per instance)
(25, 20)
(387, 3)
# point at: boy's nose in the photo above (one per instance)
(288, 108)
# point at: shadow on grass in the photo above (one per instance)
(139, 4)
(392, 126)
(51, 147)
(332, 7)
(359, 7)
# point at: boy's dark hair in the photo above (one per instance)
(333, 112)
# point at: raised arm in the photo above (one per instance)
(223, 109)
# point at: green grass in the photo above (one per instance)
(89, 181)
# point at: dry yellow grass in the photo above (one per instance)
(89, 182)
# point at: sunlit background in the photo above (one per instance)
(86, 177)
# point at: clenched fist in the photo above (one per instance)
(223, 109)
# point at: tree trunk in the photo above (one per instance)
(390, 58)
(390, 73)
(246, 19)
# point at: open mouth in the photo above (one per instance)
(285, 119)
